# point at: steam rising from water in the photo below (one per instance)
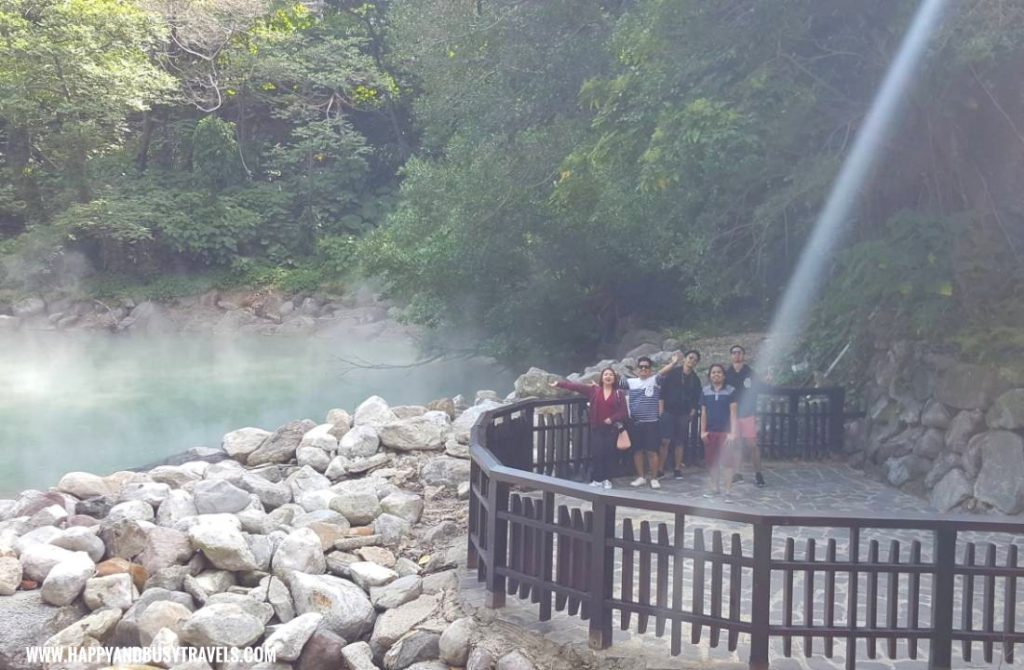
(806, 282)
(85, 401)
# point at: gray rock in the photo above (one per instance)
(442, 405)
(174, 476)
(219, 497)
(134, 510)
(1000, 482)
(304, 480)
(453, 647)
(360, 442)
(110, 591)
(1007, 412)
(373, 411)
(965, 425)
(445, 471)
(931, 444)
(358, 507)
(125, 538)
(42, 535)
(67, 579)
(97, 507)
(534, 383)
(10, 575)
(394, 623)
(966, 386)
(80, 538)
(314, 457)
(480, 659)
(515, 660)
(28, 621)
(38, 559)
(161, 615)
(412, 434)
(221, 625)
(281, 445)
(323, 651)
(951, 490)
(439, 582)
(940, 467)
(219, 538)
(413, 647)
(88, 631)
(321, 438)
(165, 547)
(271, 494)
(151, 493)
(84, 485)
(358, 656)
(391, 529)
(301, 551)
(264, 612)
(274, 592)
(936, 415)
(464, 423)
(288, 639)
(408, 506)
(397, 593)
(368, 575)
(346, 608)
(339, 418)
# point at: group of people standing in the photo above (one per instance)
(656, 409)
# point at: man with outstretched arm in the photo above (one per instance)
(644, 411)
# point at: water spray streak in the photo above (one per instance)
(806, 282)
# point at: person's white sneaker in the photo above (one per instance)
(595, 483)
(639, 481)
(607, 484)
(655, 484)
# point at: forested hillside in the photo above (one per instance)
(534, 176)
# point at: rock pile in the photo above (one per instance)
(943, 429)
(332, 544)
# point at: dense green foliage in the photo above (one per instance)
(531, 176)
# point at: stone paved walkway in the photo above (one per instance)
(792, 487)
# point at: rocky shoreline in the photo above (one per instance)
(332, 544)
(361, 313)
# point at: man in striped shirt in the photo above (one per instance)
(644, 396)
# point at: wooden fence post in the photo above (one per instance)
(497, 534)
(940, 653)
(761, 597)
(602, 567)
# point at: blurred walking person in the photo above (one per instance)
(741, 377)
(718, 430)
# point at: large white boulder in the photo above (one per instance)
(67, 579)
(373, 411)
(346, 607)
(240, 443)
(220, 539)
(413, 434)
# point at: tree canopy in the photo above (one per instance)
(533, 177)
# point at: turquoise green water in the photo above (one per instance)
(99, 403)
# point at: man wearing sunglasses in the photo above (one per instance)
(644, 402)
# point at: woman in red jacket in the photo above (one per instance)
(607, 412)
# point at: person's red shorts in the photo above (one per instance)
(747, 426)
(717, 451)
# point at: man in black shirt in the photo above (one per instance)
(680, 394)
(740, 376)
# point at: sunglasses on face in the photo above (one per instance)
(645, 367)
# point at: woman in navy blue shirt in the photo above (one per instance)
(718, 430)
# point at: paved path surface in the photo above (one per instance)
(792, 487)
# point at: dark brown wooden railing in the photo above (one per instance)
(536, 534)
